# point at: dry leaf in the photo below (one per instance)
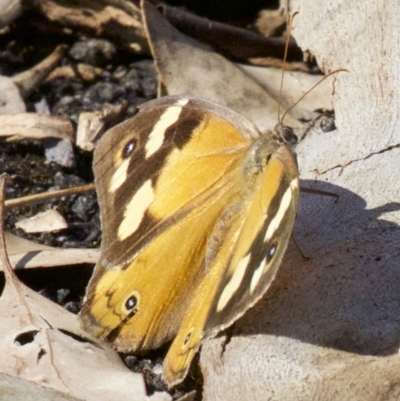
(187, 67)
(26, 254)
(234, 42)
(35, 126)
(270, 21)
(92, 125)
(11, 101)
(10, 10)
(44, 222)
(18, 389)
(118, 20)
(295, 85)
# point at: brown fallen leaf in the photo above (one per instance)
(229, 40)
(118, 20)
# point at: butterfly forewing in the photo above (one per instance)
(162, 187)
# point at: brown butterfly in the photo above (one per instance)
(197, 208)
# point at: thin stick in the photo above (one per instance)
(290, 23)
(27, 200)
(4, 261)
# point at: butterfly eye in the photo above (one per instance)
(289, 136)
(129, 148)
(285, 134)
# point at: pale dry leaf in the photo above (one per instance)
(328, 328)
(286, 369)
(92, 125)
(295, 85)
(25, 254)
(35, 126)
(365, 97)
(269, 21)
(10, 10)
(44, 222)
(34, 348)
(18, 389)
(11, 101)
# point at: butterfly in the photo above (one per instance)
(197, 208)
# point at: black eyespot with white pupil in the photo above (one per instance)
(271, 251)
(129, 148)
(187, 338)
(131, 303)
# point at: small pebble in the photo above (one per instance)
(97, 52)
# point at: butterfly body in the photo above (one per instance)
(197, 209)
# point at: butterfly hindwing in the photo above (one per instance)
(255, 235)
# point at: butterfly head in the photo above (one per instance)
(285, 134)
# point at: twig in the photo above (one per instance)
(27, 200)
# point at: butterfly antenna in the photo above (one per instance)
(290, 23)
(312, 88)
